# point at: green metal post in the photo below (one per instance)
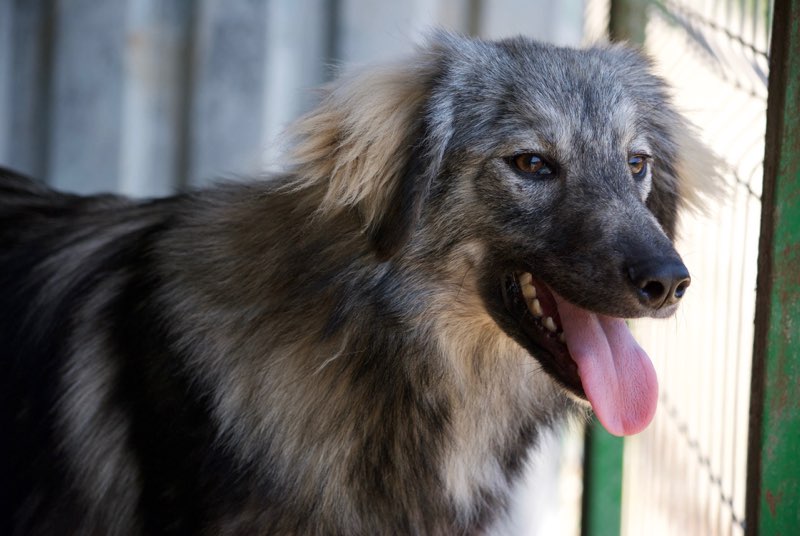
(773, 472)
(602, 482)
(627, 20)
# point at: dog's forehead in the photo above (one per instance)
(574, 96)
(566, 96)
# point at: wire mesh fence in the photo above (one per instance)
(686, 474)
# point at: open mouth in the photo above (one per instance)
(592, 355)
(534, 306)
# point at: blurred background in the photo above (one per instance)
(143, 96)
(147, 97)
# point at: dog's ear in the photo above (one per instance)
(391, 225)
(372, 146)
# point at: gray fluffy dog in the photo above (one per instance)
(370, 343)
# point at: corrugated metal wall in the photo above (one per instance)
(146, 96)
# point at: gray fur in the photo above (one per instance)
(335, 329)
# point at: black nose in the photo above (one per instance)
(660, 281)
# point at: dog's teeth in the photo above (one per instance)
(525, 278)
(550, 324)
(561, 338)
(536, 308)
(529, 291)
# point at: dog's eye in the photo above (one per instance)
(532, 164)
(638, 165)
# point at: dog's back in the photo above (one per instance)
(107, 431)
(46, 262)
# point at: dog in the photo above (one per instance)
(373, 340)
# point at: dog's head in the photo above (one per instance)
(570, 167)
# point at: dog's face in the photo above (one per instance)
(571, 179)
(566, 160)
(564, 165)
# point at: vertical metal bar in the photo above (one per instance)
(602, 482)
(153, 96)
(475, 10)
(742, 198)
(296, 60)
(742, 17)
(85, 130)
(770, 17)
(725, 445)
(773, 501)
(183, 155)
(755, 21)
(628, 20)
(715, 408)
(6, 55)
(227, 87)
(31, 55)
(333, 10)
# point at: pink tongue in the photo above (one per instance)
(617, 375)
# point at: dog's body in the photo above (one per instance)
(341, 350)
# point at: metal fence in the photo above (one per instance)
(773, 465)
(687, 474)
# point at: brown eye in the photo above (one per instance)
(533, 165)
(638, 165)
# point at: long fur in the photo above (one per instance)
(327, 352)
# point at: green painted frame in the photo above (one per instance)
(601, 508)
(773, 466)
(627, 20)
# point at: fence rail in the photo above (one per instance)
(773, 485)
